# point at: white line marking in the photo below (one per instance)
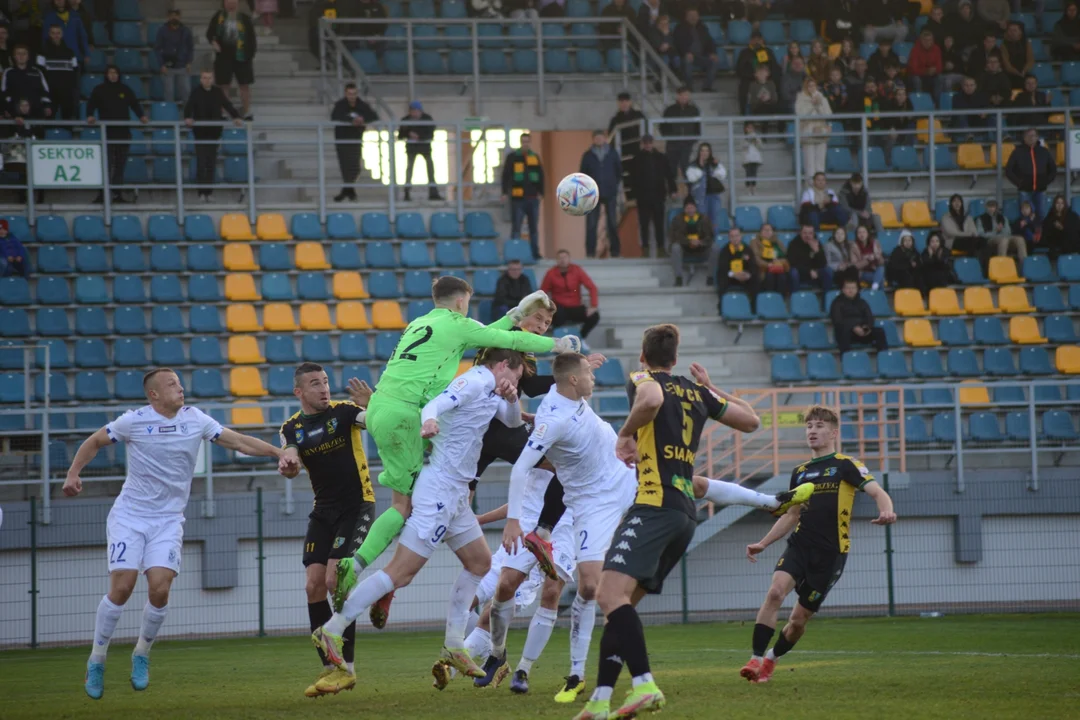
(944, 653)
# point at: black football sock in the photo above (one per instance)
(611, 664)
(625, 621)
(782, 646)
(762, 636)
(348, 646)
(554, 507)
(318, 613)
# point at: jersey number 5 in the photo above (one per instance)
(425, 332)
(687, 423)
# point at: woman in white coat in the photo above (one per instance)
(706, 175)
(813, 111)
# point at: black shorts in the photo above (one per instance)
(336, 534)
(649, 543)
(815, 571)
(502, 443)
(225, 68)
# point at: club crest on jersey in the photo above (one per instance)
(172, 555)
(299, 435)
(331, 426)
(338, 542)
(183, 427)
(540, 431)
(829, 473)
(814, 596)
(459, 384)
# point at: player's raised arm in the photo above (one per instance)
(780, 529)
(540, 440)
(85, 454)
(886, 515)
(232, 440)
(495, 515)
(737, 413)
(648, 399)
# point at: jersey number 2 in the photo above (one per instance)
(407, 354)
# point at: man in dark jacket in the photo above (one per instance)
(232, 35)
(23, 81)
(206, 104)
(611, 32)
(174, 48)
(601, 162)
(74, 34)
(971, 99)
(1031, 168)
(808, 262)
(737, 271)
(114, 102)
(653, 180)
(417, 132)
(1030, 97)
(523, 185)
(853, 322)
(648, 13)
(12, 253)
(629, 136)
(695, 48)
(746, 65)
(683, 134)
(61, 69)
(331, 10)
(351, 115)
(512, 286)
(693, 239)
(370, 10)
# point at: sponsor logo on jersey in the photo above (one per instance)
(623, 546)
(315, 432)
(829, 473)
(540, 431)
(629, 532)
(338, 542)
(166, 429)
(299, 435)
(811, 476)
(814, 596)
(863, 470)
(149, 429)
(618, 560)
(459, 384)
(331, 425)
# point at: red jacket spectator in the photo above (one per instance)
(563, 284)
(922, 59)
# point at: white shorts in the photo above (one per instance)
(440, 513)
(526, 592)
(140, 543)
(595, 521)
(562, 541)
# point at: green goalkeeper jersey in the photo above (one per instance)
(426, 358)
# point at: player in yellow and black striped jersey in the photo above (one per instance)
(818, 546)
(325, 435)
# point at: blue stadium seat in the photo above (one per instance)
(205, 319)
(279, 381)
(990, 331)
(89, 290)
(91, 259)
(418, 308)
(234, 142)
(1059, 330)
(312, 286)
(50, 229)
(770, 306)
(410, 225)
(777, 336)
(905, 158)
(943, 427)
(1074, 296)
(814, 336)
(611, 373)
(167, 320)
(805, 304)
(163, 143)
(915, 432)
(87, 83)
(368, 60)
(786, 368)
(385, 343)
(204, 289)
(16, 323)
(1048, 297)
(12, 388)
(878, 302)
(354, 347)
(207, 351)
(445, 226)
(59, 358)
(736, 306)
(382, 285)
(943, 157)
(129, 321)
(58, 388)
(821, 367)
(91, 353)
(1070, 74)
(50, 259)
(856, 365)
(16, 290)
(962, 362)
(1037, 269)
(342, 226)
(166, 258)
(892, 365)
(281, 349)
(86, 228)
(165, 112)
(613, 405)
(128, 289)
(235, 170)
(1069, 268)
(127, 34)
(517, 249)
(1047, 393)
(414, 254)
(1007, 394)
(889, 240)
(316, 347)
(276, 286)
(782, 218)
(417, 284)
(1058, 425)
(136, 171)
(380, 255)
(305, 226)
(345, 256)
(937, 396)
(999, 362)
(484, 281)
(128, 384)
(129, 61)
(875, 159)
(927, 364)
(449, 253)
(129, 352)
(88, 321)
(164, 228)
(50, 290)
(1035, 361)
(128, 259)
(453, 9)
(1017, 427)
(200, 228)
(748, 218)
(953, 331)
(479, 225)
(589, 60)
(376, 226)
(274, 256)
(984, 427)
(207, 384)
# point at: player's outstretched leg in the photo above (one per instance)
(495, 668)
(121, 584)
(476, 561)
(153, 617)
(790, 635)
(329, 638)
(582, 621)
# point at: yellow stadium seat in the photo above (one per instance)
(247, 415)
(351, 315)
(315, 316)
(1006, 153)
(1056, 119)
(916, 213)
(1024, 330)
(278, 317)
(925, 6)
(242, 318)
(978, 301)
(1002, 270)
(1014, 299)
(349, 286)
(970, 156)
(887, 212)
(971, 394)
(463, 367)
(244, 350)
(923, 135)
(235, 226)
(918, 333)
(241, 287)
(238, 256)
(386, 315)
(1061, 151)
(908, 303)
(271, 226)
(310, 256)
(246, 382)
(943, 301)
(1067, 359)
(834, 50)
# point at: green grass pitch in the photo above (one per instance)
(981, 667)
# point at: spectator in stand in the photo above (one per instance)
(855, 199)
(661, 39)
(791, 84)
(936, 267)
(1029, 97)
(1031, 168)
(993, 226)
(1028, 226)
(204, 112)
(903, 268)
(350, 115)
(867, 258)
(706, 176)
(611, 32)
(752, 57)
(648, 13)
(835, 91)
(751, 147)
(995, 84)
(174, 48)
(736, 271)
(331, 10)
(952, 63)
(820, 205)
(762, 97)
(74, 34)
(83, 11)
(871, 103)
(856, 78)
(936, 24)
(232, 35)
(842, 21)
(838, 257)
(266, 10)
(1065, 40)
(693, 241)
(563, 284)
(485, 8)
(61, 68)
(695, 48)
(818, 64)
(653, 180)
(374, 31)
(552, 8)
(681, 134)
(23, 81)
(773, 267)
(995, 13)
(1017, 57)
(848, 56)
(809, 261)
(523, 185)
(888, 85)
(958, 229)
(925, 65)
(632, 121)
(794, 51)
(853, 321)
(966, 29)
(12, 252)
(114, 102)
(1061, 230)
(418, 132)
(899, 126)
(979, 57)
(27, 23)
(971, 99)
(512, 286)
(601, 162)
(876, 63)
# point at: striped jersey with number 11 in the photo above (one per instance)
(668, 444)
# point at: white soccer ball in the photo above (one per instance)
(578, 194)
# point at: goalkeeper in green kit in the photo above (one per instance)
(422, 366)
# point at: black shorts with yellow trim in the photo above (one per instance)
(814, 569)
(648, 544)
(335, 534)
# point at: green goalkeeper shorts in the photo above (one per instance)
(395, 427)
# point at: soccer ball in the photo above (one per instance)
(578, 194)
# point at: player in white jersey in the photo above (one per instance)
(146, 524)
(598, 488)
(455, 421)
